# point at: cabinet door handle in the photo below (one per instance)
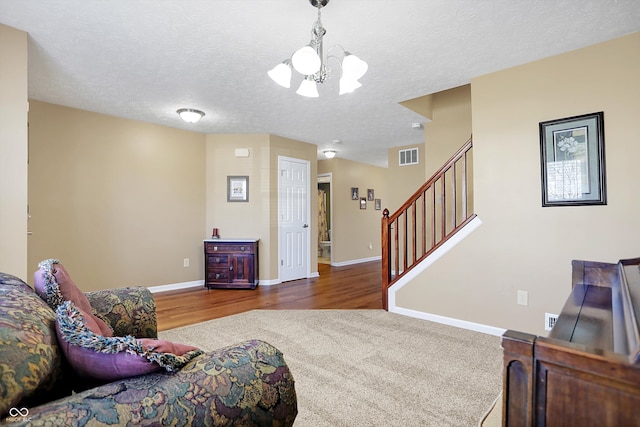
(242, 248)
(230, 268)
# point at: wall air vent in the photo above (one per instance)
(408, 157)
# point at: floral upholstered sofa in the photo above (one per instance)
(246, 384)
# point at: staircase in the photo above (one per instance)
(430, 217)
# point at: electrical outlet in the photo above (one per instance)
(185, 263)
(523, 298)
(550, 321)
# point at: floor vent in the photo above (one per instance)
(550, 321)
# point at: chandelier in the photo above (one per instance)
(309, 61)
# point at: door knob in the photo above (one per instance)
(305, 226)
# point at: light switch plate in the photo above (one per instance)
(523, 298)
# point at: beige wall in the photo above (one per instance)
(421, 105)
(404, 180)
(522, 246)
(239, 219)
(119, 202)
(257, 218)
(13, 151)
(450, 127)
(356, 232)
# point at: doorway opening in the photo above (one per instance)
(325, 219)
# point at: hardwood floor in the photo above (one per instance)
(350, 287)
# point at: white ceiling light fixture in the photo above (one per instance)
(190, 115)
(329, 154)
(309, 62)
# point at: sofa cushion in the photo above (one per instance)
(31, 362)
(105, 359)
(54, 285)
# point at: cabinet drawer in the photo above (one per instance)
(218, 275)
(212, 247)
(240, 248)
(216, 259)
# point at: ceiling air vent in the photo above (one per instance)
(408, 157)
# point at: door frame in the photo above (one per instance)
(307, 258)
(329, 175)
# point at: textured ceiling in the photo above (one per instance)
(145, 59)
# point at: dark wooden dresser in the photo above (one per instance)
(587, 371)
(231, 263)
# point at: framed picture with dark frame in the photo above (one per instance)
(370, 195)
(237, 188)
(572, 161)
(363, 203)
(354, 193)
(378, 204)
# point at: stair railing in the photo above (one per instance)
(434, 213)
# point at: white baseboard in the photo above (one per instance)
(176, 286)
(356, 261)
(269, 282)
(463, 324)
(278, 281)
(200, 283)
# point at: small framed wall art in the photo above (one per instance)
(237, 188)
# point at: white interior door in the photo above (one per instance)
(293, 214)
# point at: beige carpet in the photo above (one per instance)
(370, 367)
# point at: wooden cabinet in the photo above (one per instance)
(587, 371)
(231, 263)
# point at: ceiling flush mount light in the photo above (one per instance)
(190, 115)
(329, 154)
(309, 61)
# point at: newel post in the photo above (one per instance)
(386, 258)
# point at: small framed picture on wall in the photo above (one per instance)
(237, 188)
(354, 193)
(363, 203)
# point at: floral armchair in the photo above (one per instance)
(245, 384)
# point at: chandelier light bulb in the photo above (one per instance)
(353, 67)
(281, 74)
(306, 60)
(329, 154)
(190, 115)
(308, 88)
(348, 85)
